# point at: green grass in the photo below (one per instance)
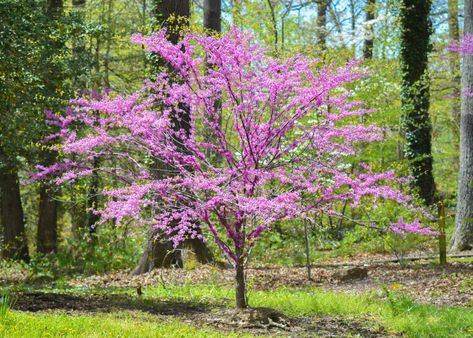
(117, 324)
(398, 314)
(401, 315)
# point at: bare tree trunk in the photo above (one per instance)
(158, 254)
(48, 205)
(47, 222)
(240, 282)
(93, 200)
(322, 6)
(240, 287)
(14, 237)
(463, 234)
(212, 15)
(454, 34)
(369, 29)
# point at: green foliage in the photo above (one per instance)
(109, 249)
(5, 304)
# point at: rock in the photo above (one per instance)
(351, 274)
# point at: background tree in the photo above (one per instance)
(454, 35)
(463, 234)
(54, 76)
(213, 15)
(321, 24)
(416, 28)
(370, 10)
(21, 46)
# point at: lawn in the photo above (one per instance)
(199, 310)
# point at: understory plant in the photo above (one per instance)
(5, 304)
(225, 142)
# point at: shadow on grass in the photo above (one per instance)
(43, 301)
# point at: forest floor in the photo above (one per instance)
(371, 300)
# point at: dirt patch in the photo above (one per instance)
(259, 321)
(262, 321)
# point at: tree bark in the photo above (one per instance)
(47, 222)
(240, 286)
(158, 254)
(212, 15)
(370, 10)
(14, 237)
(463, 233)
(416, 29)
(454, 63)
(321, 33)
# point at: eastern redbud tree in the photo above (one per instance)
(276, 148)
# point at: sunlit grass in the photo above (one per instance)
(397, 314)
(116, 324)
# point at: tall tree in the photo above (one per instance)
(21, 50)
(14, 238)
(213, 15)
(274, 24)
(416, 29)
(454, 34)
(370, 10)
(463, 234)
(322, 6)
(174, 15)
(48, 205)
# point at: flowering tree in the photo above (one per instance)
(279, 134)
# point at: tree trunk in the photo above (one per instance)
(93, 201)
(463, 234)
(415, 96)
(274, 25)
(240, 286)
(369, 29)
(47, 219)
(454, 34)
(14, 237)
(321, 33)
(212, 15)
(47, 222)
(159, 252)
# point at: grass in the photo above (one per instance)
(117, 324)
(397, 313)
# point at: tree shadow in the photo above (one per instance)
(43, 301)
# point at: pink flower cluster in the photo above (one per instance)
(281, 133)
